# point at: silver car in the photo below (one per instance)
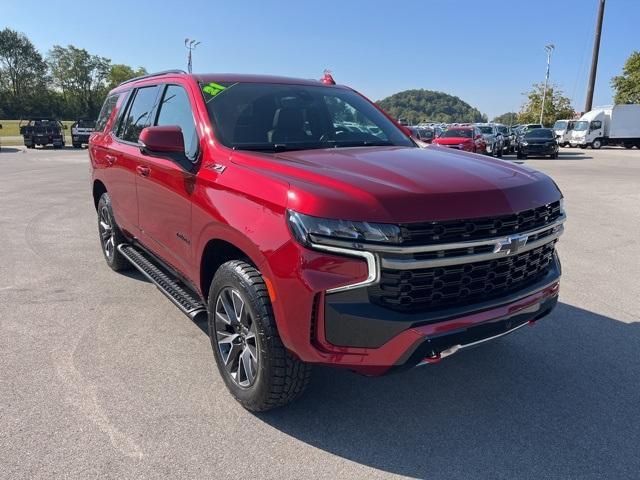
(492, 137)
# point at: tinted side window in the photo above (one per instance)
(105, 113)
(175, 109)
(596, 124)
(139, 114)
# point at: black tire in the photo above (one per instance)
(113, 257)
(77, 145)
(597, 143)
(279, 378)
(628, 145)
(554, 156)
(499, 152)
(519, 156)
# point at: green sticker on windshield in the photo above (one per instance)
(213, 88)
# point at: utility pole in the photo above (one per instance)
(190, 45)
(549, 48)
(594, 59)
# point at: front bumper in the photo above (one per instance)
(534, 150)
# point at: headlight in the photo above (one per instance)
(309, 230)
(524, 144)
(562, 210)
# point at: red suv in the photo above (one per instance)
(250, 205)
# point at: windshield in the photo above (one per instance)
(487, 130)
(86, 124)
(581, 126)
(560, 125)
(457, 132)
(278, 117)
(539, 133)
(503, 130)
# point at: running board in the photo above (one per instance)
(186, 301)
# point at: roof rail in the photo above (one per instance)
(156, 74)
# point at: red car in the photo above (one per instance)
(251, 207)
(468, 139)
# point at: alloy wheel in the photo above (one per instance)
(235, 331)
(106, 232)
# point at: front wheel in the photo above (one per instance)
(597, 143)
(256, 367)
(110, 236)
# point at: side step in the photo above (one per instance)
(179, 294)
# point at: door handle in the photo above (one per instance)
(111, 159)
(144, 171)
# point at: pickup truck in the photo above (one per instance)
(302, 242)
(42, 131)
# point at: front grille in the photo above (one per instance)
(458, 285)
(430, 233)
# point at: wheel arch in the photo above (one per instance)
(219, 250)
(98, 189)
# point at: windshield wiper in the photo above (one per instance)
(359, 143)
(266, 147)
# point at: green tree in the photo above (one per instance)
(508, 118)
(80, 77)
(119, 73)
(556, 106)
(627, 85)
(22, 73)
(416, 106)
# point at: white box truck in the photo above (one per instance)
(617, 125)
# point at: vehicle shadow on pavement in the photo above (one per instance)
(560, 399)
(8, 150)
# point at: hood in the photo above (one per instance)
(538, 139)
(401, 184)
(452, 140)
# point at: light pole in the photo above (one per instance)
(190, 45)
(594, 59)
(549, 48)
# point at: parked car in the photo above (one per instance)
(538, 142)
(492, 138)
(508, 138)
(522, 129)
(42, 131)
(304, 243)
(563, 129)
(468, 139)
(81, 131)
(424, 135)
(617, 125)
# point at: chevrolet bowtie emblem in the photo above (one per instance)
(511, 244)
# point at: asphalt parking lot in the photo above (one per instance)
(101, 376)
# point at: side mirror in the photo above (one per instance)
(161, 140)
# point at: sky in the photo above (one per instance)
(487, 52)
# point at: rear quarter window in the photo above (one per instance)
(107, 108)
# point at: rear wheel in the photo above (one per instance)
(110, 236)
(256, 367)
(628, 145)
